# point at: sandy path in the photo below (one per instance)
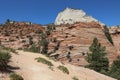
(30, 69)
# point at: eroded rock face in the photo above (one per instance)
(79, 37)
(115, 33)
(73, 15)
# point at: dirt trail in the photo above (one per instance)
(30, 69)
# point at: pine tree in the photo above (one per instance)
(97, 58)
(115, 69)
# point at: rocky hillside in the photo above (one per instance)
(66, 40)
(73, 15)
(75, 40)
(17, 34)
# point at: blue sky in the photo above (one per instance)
(45, 11)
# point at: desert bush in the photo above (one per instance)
(56, 56)
(51, 27)
(33, 48)
(75, 78)
(70, 47)
(30, 40)
(10, 50)
(44, 61)
(68, 55)
(13, 51)
(63, 69)
(14, 76)
(39, 32)
(48, 32)
(4, 60)
(54, 39)
(57, 46)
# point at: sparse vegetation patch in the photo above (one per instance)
(10, 50)
(33, 48)
(4, 60)
(63, 69)
(44, 61)
(75, 78)
(14, 76)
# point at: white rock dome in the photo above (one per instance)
(73, 15)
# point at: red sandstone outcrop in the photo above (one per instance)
(80, 36)
(115, 33)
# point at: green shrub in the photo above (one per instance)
(30, 40)
(63, 69)
(10, 49)
(14, 76)
(57, 46)
(39, 32)
(54, 39)
(33, 48)
(48, 32)
(4, 60)
(13, 51)
(44, 61)
(75, 78)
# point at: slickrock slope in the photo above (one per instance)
(30, 69)
(73, 15)
(115, 33)
(79, 36)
